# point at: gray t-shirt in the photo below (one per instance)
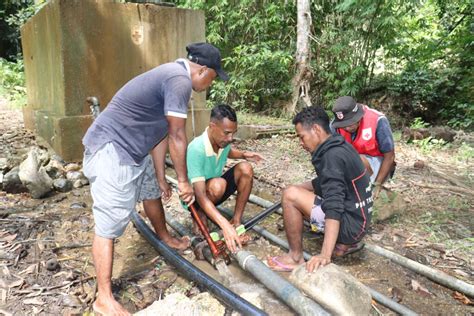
(135, 119)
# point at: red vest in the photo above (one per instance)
(365, 142)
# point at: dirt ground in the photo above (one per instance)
(433, 225)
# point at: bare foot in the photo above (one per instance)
(108, 307)
(284, 263)
(182, 243)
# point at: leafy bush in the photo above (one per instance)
(12, 82)
(13, 14)
(419, 123)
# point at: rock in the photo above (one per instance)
(208, 305)
(338, 292)
(72, 167)
(70, 301)
(73, 176)
(34, 176)
(58, 159)
(42, 154)
(78, 205)
(62, 185)
(78, 184)
(439, 132)
(52, 265)
(12, 183)
(4, 165)
(419, 164)
(387, 205)
(55, 169)
(173, 304)
(254, 298)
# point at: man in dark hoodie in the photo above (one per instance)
(336, 201)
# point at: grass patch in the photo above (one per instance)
(465, 152)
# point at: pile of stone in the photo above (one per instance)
(39, 174)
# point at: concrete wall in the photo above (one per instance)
(79, 48)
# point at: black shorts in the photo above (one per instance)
(230, 187)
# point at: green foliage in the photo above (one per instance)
(347, 43)
(257, 41)
(430, 144)
(459, 115)
(465, 152)
(429, 66)
(13, 13)
(419, 123)
(12, 82)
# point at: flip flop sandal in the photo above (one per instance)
(278, 266)
(341, 252)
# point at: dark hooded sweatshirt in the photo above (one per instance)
(344, 185)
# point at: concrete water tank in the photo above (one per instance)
(74, 49)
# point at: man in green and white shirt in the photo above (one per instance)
(206, 158)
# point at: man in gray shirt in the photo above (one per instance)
(144, 116)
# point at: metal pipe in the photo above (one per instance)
(191, 272)
(435, 275)
(377, 296)
(283, 289)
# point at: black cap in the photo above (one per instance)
(208, 55)
(347, 112)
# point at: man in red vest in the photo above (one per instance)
(369, 132)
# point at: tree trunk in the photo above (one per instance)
(301, 80)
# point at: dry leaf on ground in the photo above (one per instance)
(417, 287)
(462, 298)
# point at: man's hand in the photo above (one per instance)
(165, 189)
(231, 238)
(377, 188)
(317, 261)
(185, 192)
(235, 222)
(251, 156)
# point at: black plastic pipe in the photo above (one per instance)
(281, 287)
(257, 218)
(377, 296)
(193, 273)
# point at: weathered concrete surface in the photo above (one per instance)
(78, 48)
(338, 292)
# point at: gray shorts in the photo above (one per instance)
(115, 189)
(317, 218)
(149, 189)
(375, 162)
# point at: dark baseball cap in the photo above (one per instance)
(206, 54)
(346, 112)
